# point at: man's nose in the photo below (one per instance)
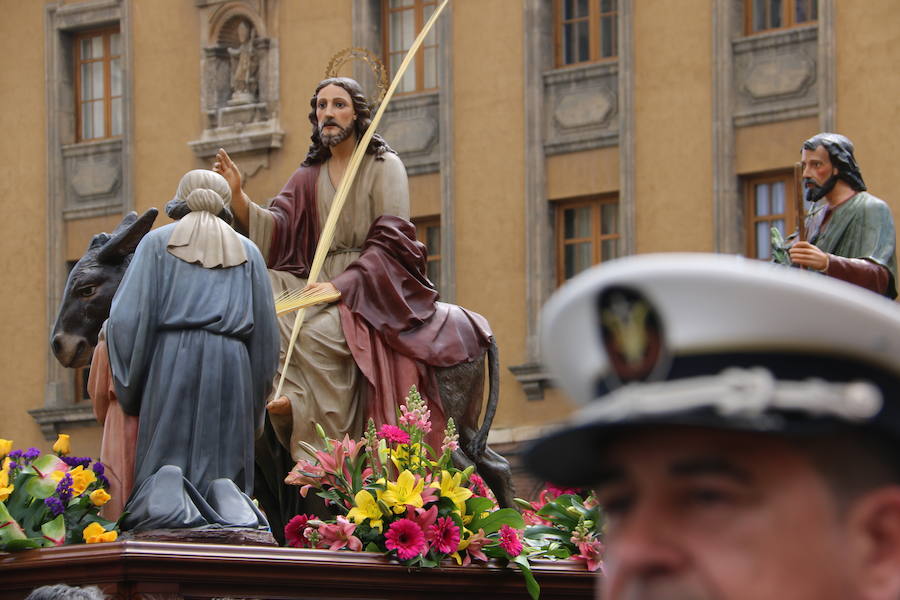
(643, 551)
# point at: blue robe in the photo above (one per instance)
(193, 353)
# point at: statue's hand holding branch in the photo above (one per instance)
(807, 255)
(225, 167)
(321, 289)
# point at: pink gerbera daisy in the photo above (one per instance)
(444, 535)
(406, 538)
(509, 541)
(293, 531)
(392, 433)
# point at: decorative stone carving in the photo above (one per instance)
(410, 126)
(775, 76)
(92, 178)
(583, 108)
(240, 85)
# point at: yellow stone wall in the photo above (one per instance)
(23, 205)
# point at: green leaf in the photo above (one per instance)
(10, 530)
(531, 584)
(55, 530)
(373, 547)
(540, 531)
(477, 505)
(40, 487)
(21, 544)
(497, 519)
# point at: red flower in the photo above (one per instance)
(293, 531)
(394, 434)
(406, 538)
(509, 541)
(444, 535)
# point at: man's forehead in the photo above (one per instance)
(668, 447)
(820, 153)
(333, 90)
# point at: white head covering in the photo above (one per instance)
(200, 236)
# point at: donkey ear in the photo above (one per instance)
(126, 237)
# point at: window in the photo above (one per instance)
(585, 31)
(98, 84)
(428, 231)
(403, 20)
(770, 202)
(768, 15)
(587, 233)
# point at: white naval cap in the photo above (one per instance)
(714, 341)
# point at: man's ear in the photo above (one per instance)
(874, 521)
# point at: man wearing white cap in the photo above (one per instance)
(740, 429)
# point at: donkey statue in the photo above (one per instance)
(86, 303)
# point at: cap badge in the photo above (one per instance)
(632, 335)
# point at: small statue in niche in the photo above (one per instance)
(244, 66)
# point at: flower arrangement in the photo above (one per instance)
(51, 499)
(395, 495)
(565, 523)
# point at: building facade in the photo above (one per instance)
(540, 137)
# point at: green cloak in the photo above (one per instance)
(861, 227)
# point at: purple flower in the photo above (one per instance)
(15, 454)
(102, 480)
(98, 468)
(13, 465)
(55, 505)
(75, 461)
(64, 488)
(31, 454)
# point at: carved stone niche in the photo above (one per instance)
(239, 86)
(582, 108)
(410, 127)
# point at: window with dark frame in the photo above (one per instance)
(587, 233)
(771, 15)
(98, 84)
(769, 202)
(403, 20)
(428, 231)
(586, 31)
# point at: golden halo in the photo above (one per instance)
(348, 54)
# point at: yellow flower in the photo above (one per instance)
(409, 456)
(95, 533)
(57, 475)
(5, 447)
(405, 491)
(366, 508)
(5, 488)
(451, 488)
(62, 446)
(99, 497)
(81, 479)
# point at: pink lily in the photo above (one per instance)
(336, 536)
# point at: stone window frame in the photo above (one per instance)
(595, 37)
(368, 22)
(539, 243)
(62, 21)
(728, 34)
(788, 16)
